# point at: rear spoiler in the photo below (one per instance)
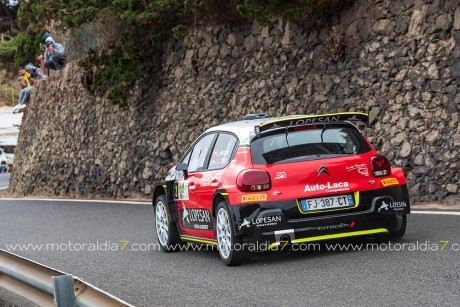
(311, 119)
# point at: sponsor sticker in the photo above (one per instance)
(196, 218)
(398, 205)
(351, 224)
(253, 198)
(280, 175)
(209, 177)
(389, 182)
(181, 190)
(328, 187)
(386, 204)
(261, 221)
(361, 168)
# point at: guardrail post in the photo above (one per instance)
(64, 292)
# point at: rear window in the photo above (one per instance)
(307, 143)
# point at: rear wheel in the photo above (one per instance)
(166, 231)
(231, 248)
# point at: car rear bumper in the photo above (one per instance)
(380, 212)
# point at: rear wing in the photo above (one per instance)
(311, 119)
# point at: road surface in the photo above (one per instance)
(4, 180)
(8, 120)
(190, 278)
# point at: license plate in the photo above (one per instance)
(330, 202)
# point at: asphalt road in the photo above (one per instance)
(4, 180)
(190, 278)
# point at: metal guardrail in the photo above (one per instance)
(49, 287)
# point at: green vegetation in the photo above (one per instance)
(145, 25)
(8, 94)
(7, 50)
(262, 10)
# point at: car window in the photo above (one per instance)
(222, 152)
(186, 159)
(200, 152)
(313, 144)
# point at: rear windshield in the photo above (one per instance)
(319, 142)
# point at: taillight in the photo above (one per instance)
(253, 180)
(380, 166)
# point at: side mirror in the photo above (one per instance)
(184, 168)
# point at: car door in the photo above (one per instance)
(221, 154)
(195, 220)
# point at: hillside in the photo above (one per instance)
(398, 60)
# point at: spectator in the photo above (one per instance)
(25, 78)
(26, 87)
(35, 72)
(54, 56)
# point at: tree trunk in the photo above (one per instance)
(13, 27)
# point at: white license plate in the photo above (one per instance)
(330, 202)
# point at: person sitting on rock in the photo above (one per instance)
(25, 82)
(35, 72)
(54, 57)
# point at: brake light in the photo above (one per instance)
(380, 166)
(308, 127)
(253, 180)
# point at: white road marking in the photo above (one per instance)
(3, 188)
(437, 212)
(79, 200)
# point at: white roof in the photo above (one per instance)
(244, 129)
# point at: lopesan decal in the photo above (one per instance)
(181, 190)
(361, 168)
(280, 175)
(398, 205)
(196, 218)
(253, 198)
(389, 182)
(261, 221)
(384, 206)
(328, 187)
(387, 205)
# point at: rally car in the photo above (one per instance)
(292, 179)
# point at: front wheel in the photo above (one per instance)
(231, 248)
(166, 231)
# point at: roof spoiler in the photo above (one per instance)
(312, 119)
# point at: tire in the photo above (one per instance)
(165, 230)
(227, 240)
(395, 236)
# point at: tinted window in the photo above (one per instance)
(200, 152)
(311, 144)
(222, 152)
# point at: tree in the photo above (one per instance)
(8, 15)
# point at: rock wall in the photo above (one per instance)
(399, 60)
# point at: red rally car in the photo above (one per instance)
(290, 179)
